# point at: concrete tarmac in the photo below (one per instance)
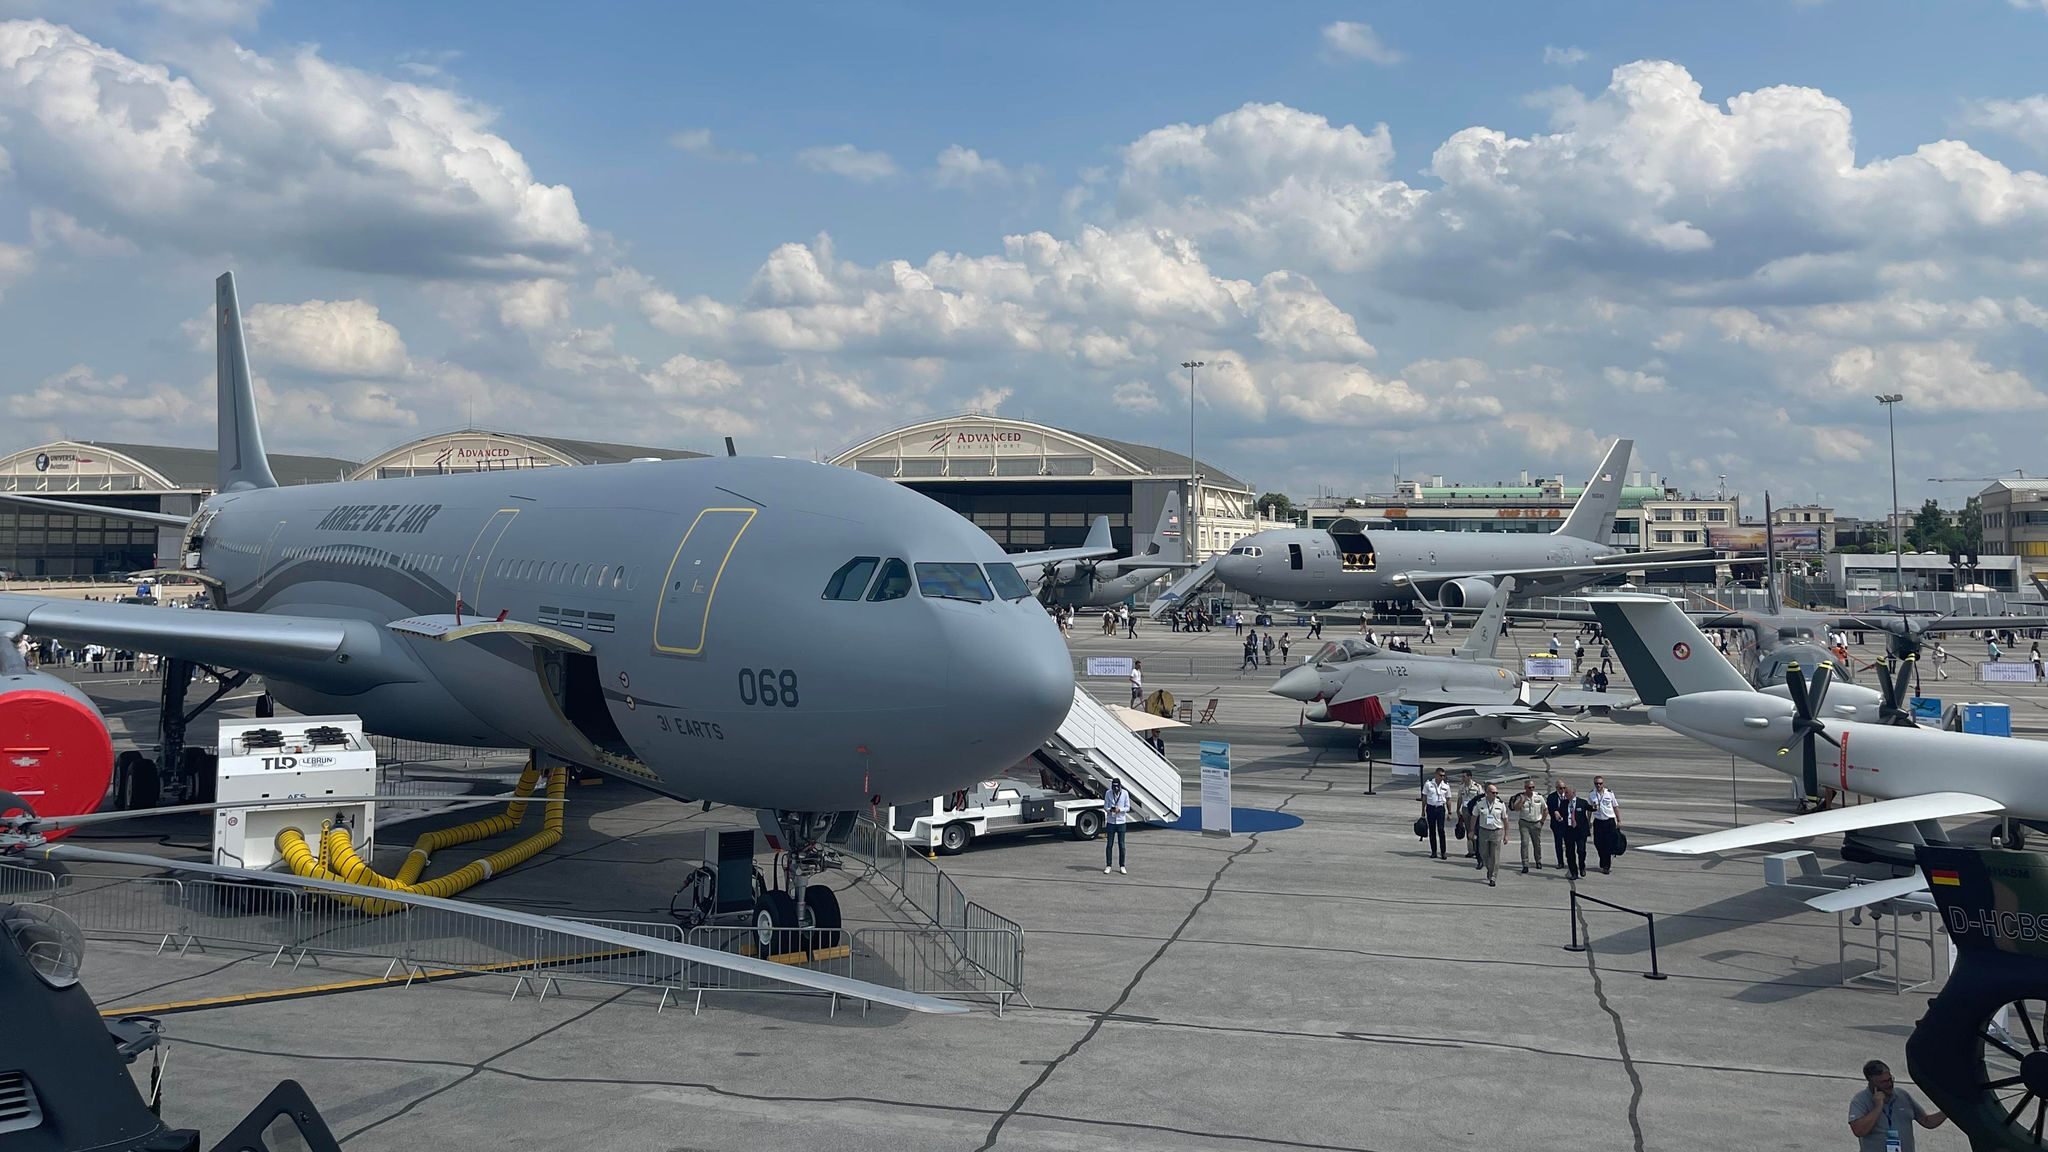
(1319, 986)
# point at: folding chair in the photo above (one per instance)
(1208, 714)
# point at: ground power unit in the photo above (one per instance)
(294, 761)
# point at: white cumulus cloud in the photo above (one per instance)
(1563, 57)
(328, 337)
(848, 161)
(1354, 41)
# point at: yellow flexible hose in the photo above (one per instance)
(338, 860)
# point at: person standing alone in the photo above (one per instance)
(1116, 814)
(1137, 682)
(1882, 1115)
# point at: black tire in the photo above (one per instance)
(140, 788)
(1088, 824)
(954, 839)
(124, 765)
(774, 921)
(204, 769)
(825, 922)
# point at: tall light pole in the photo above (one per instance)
(1898, 533)
(1194, 481)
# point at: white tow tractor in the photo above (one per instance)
(1073, 767)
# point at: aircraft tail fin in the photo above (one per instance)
(1168, 530)
(1592, 518)
(1663, 651)
(242, 462)
(1484, 638)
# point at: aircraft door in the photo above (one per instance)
(1294, 557)
(469, 587)
(682, 618)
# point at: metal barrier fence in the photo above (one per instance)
(1648, 919)
(986, 942)
(822, 950)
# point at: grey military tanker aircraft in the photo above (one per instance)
(1099, 583)
(1322, 567)
(774, 634)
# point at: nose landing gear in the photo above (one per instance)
(785, 913)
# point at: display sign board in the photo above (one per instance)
(2005, 672)
(1118, 666)
(1547, 667)
(1405, 745)
(1215, 788)
(1927, 710)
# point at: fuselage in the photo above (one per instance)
(1100, 590)
(761, 632)
(1312, 565)
(1345, 674)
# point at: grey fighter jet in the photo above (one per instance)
(1327, 566)
(773, 634)
(1099, 583)
(1464, 696)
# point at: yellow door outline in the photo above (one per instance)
(711, 589)
(503, 518)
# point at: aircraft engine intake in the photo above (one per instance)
(1469, 592)
(55, 751)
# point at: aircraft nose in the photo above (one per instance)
(1303, 683)
(1023, 686)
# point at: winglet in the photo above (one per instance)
(1592, 518)
(242, 462)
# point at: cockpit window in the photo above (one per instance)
(893, 583)
(953, 582)
(852, 578)
(1341, 651)
(1009, 585)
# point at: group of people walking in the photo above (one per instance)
(1481, 817)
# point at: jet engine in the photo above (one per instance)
(1468, 592)
(55, 751)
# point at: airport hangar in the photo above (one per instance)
(1035, 486)
(1028, 485)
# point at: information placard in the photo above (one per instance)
(1547, 667)
(2005, 672)
(1215, 788)
(1405, 745)
(1118, 666)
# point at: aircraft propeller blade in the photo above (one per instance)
(1894, 709)
(710, 957)
(456, 801)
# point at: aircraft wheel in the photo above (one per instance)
(822, 906)
(204, 769)
(774, 921)
(1992, 1079)
(1088, 824)
(955, 839)
(139, 785)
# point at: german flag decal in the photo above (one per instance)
(1942, 876)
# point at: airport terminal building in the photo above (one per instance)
(1034, 486)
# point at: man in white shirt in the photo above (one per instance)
(1436, 800)
(1489, 828)
(1606, 822)
(1116, 813)
(1137, 682)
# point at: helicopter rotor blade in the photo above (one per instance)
(710, 957)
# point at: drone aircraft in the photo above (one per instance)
(779, 635)
(1918, 775)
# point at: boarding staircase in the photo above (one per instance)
(1181, 591)
(1093, 747)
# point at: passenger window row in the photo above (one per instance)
(566, 573)
(935, 581)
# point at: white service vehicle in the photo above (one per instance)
(1074, 767)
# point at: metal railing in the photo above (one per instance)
(812, 949)
(985, 941)
(1648, 919)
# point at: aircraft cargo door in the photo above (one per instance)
(683, 617)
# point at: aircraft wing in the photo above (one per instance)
(1880, 621)
(1578, 699)
(1905, 810)
(291, 646)
(1652, 562)
(1096, 547)
(160, 519)
(1864, 895)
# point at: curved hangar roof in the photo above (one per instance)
(1000, 448)
(103, 466)
(478, 450)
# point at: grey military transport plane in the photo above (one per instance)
(1085, 582)
(1329, 566)
(774, 634)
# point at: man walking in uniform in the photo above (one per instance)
(1436, 800)
(1116, 813)
(1606, 822)
(1529, 814)
(1469, 797)
(1489, 830)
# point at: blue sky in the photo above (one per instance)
(1717, 229)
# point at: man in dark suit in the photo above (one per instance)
(1571, 824)
(1554, 804)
